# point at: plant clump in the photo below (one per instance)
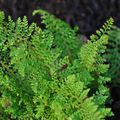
(46, 75)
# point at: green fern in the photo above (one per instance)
(90, 66)
(45, 74)
(113, 56)
(64, 37)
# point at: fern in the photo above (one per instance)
(64, 37)
(45, 74)
(113, 56)
(90, 66)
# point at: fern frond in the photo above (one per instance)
(113, 55)
(64, 37)
(104, 30)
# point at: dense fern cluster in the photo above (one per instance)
(46, 75)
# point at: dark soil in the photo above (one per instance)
(89, 15)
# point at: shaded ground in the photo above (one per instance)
(89, 15)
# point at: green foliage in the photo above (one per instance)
(113, 56)
(46, 75)
(64, 37)
(90, 66)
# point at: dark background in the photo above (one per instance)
(89, 15)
